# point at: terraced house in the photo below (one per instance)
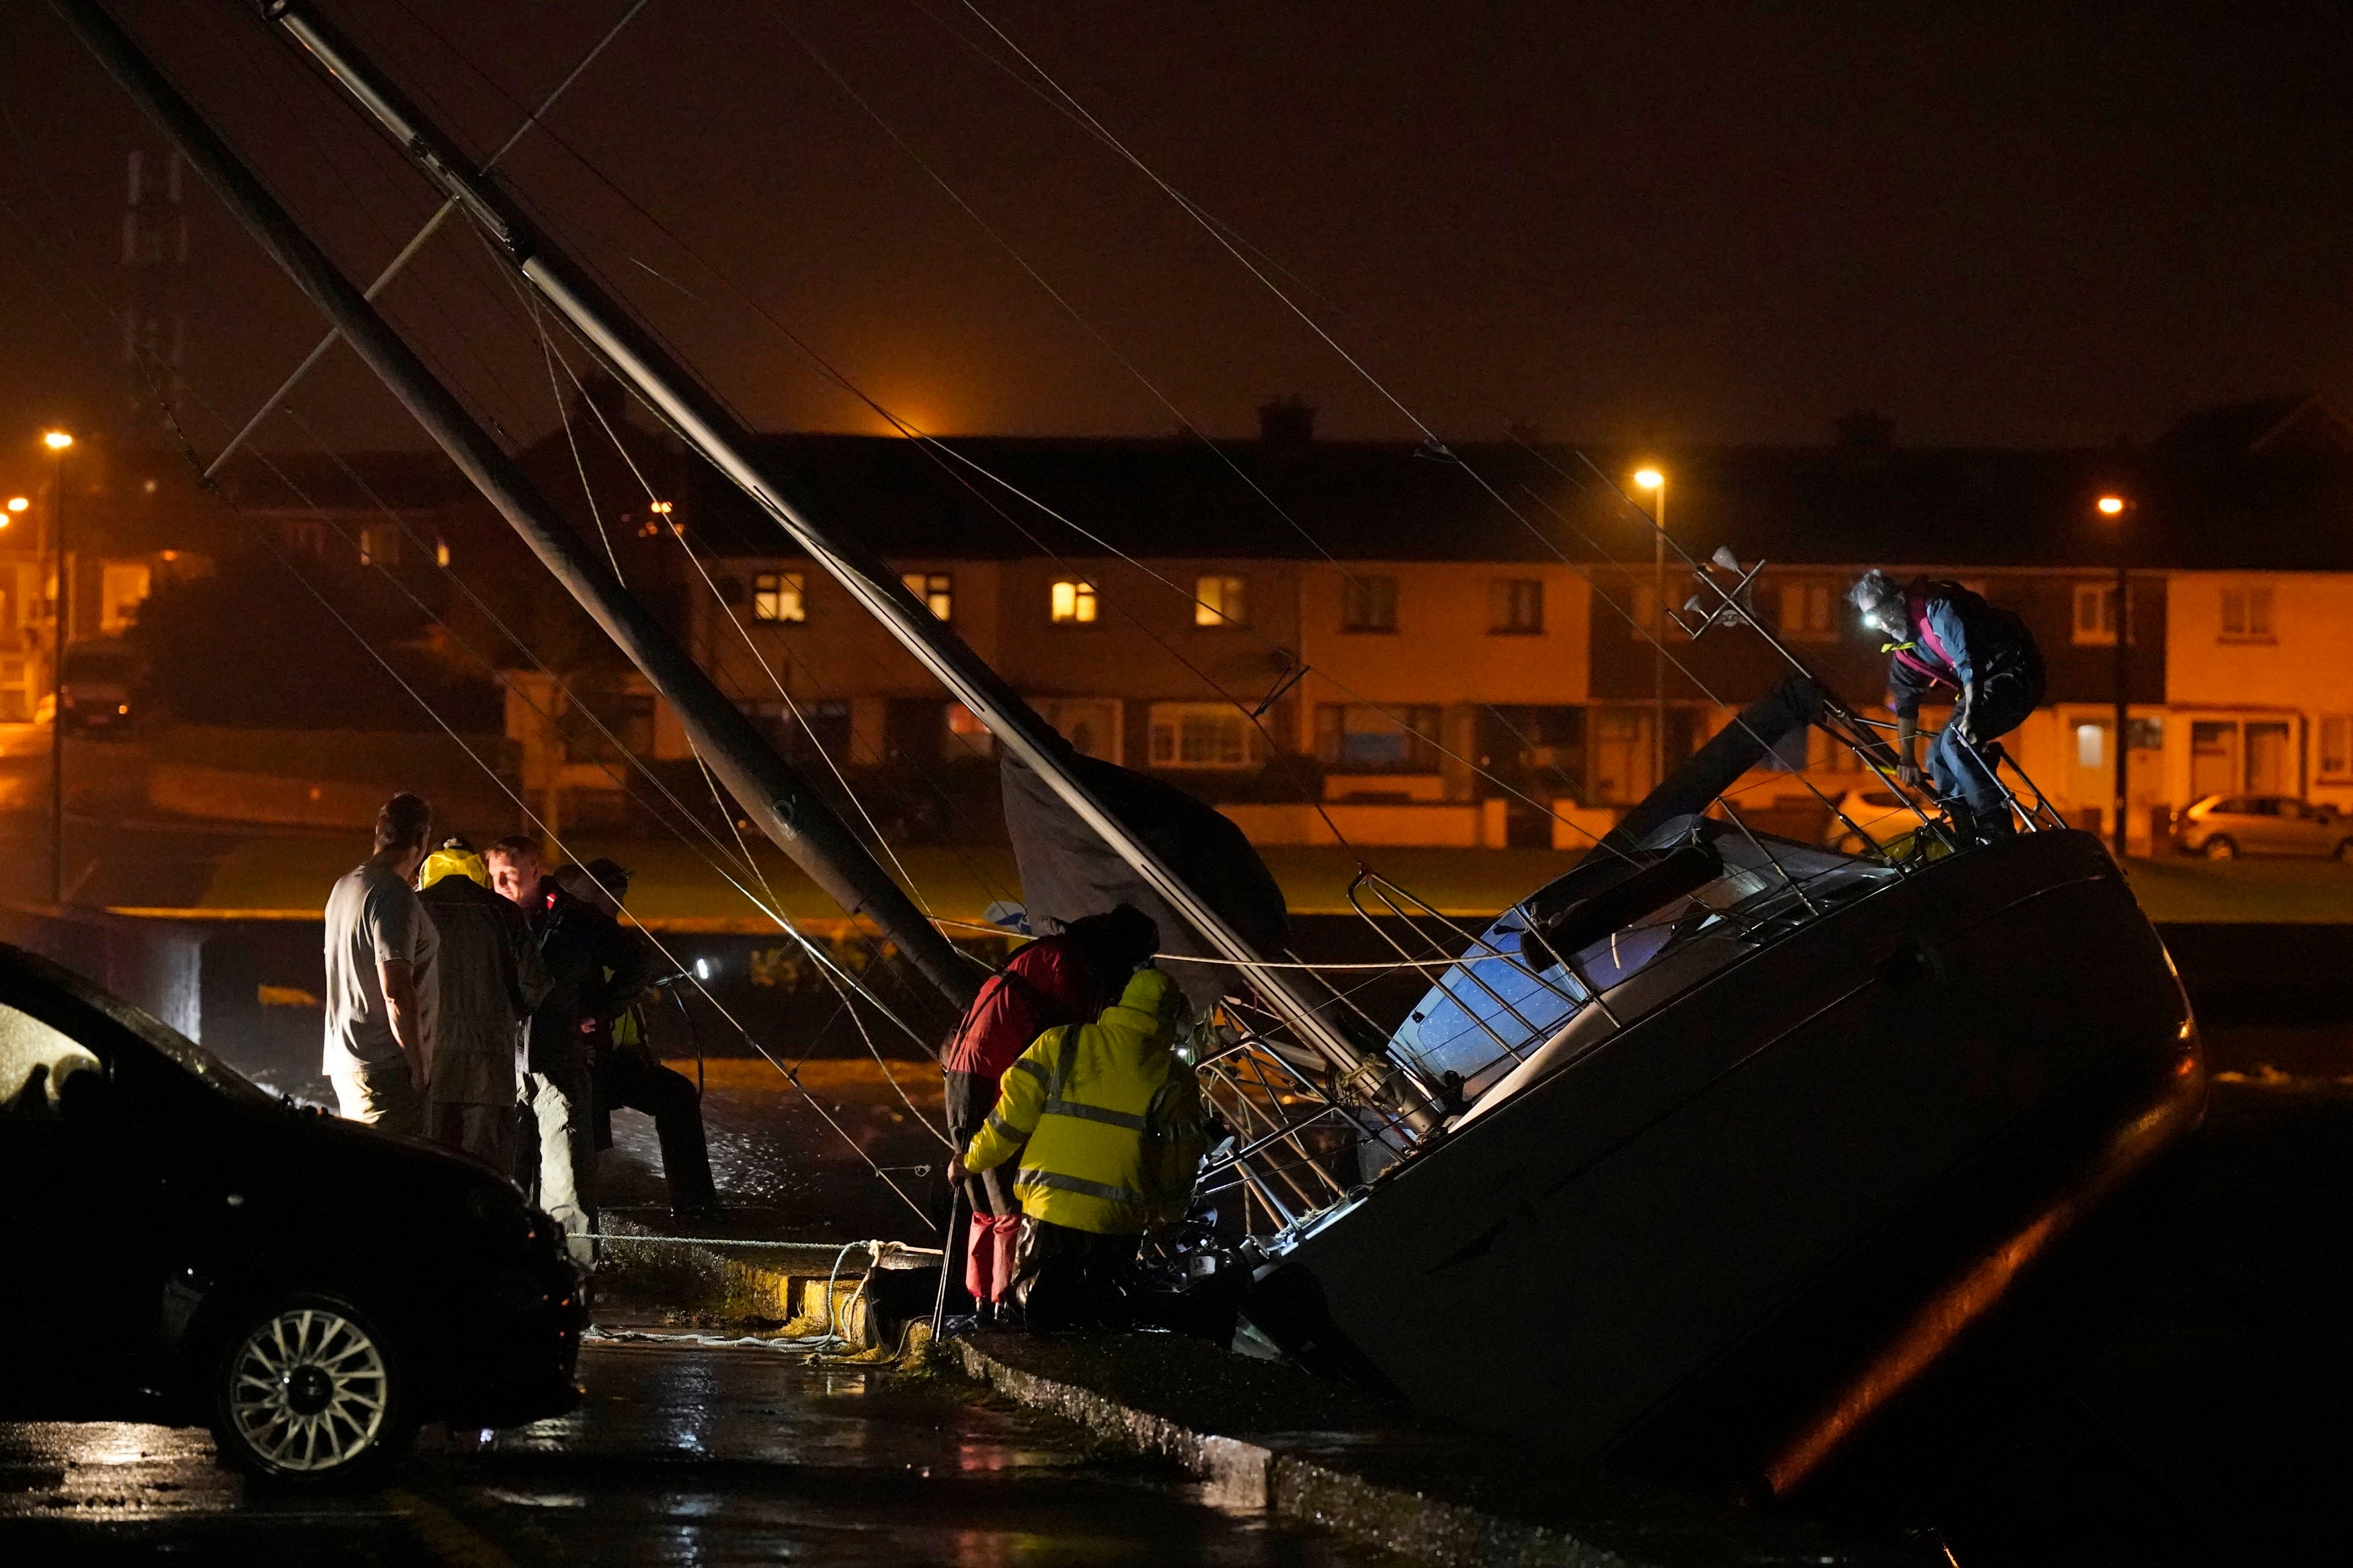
(1455, 646)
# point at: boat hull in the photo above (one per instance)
(1710, 1249)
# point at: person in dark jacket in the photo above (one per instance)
(1945, 638)
(595, 970)
(491, 977)
(1067, 978)
(625, 1075)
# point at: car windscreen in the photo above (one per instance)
(68, 1002)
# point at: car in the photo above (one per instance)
(2224, 826)
(187, 1248)
(1878, 812)
(101, 679)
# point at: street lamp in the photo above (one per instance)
(2113, 507)
(57, 441)
(1653, 481)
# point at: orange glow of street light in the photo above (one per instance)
(1650, 479)
(2111, 505)
(18, 503)
(55, 441)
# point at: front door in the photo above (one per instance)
(2270, 765)
(2213, 766)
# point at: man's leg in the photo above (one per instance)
(561, 1115)
(383, 1095)
(1110, 1265)
(669, 1098)
(1049, 1281)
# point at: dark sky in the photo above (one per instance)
(1676, 221)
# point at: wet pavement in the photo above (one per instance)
(678, 1456)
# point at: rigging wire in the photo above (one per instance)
(172, 425)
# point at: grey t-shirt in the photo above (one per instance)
(372, 916)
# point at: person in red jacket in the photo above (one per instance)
(1067, 978)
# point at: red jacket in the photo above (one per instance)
(1047, 983)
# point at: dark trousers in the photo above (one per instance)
(626, 1081)
(994, 1228)
(1068, 1278)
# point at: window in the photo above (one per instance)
(2336, 746)
(1645, 623)
(1202, 735)
(1806, 612)
(1515, 607)
(2091, 745)
(35, 1060)
(1221, 602)
(1362, 737)
(2246, 614)
(1091, 724)
(806, 731)
(2095, 614)
(936, 589)
(968, 736)
(380, 544)
(1369, 605)
(1071, 603)
(776, 597)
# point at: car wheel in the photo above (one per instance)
(307, 1391)
(2219, 848)
(2345, 851)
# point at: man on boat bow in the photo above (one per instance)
(1943, 637)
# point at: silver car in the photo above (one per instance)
(2224, 826)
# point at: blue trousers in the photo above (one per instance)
(1963, 771)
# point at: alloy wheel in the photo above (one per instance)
(307, 1391)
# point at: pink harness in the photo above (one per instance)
(1916, 606)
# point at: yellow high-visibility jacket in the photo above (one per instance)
(1107, 1119)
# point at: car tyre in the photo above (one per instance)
(2345, 851)
(308, 1392)
(2219, 848)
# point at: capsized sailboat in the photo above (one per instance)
(1727, 1138)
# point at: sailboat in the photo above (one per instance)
(1722, 1138)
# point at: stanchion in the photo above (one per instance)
(947, 1255)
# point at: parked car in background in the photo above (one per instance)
(1877, 812)
(183, 1247)
(2224, 826)
(100, 678)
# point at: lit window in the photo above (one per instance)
(1221, 602)
(380, 545)
(1364, 737)
(1369, 605)
(2091, 745)
(776, 597)
(2246, 614)
(1202, 735)
(1516, 605)
(1073, 603)
(967, 734)
(936, 589)
(1806, 612)
(2336, 746)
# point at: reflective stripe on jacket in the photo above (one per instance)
(1107, 1119)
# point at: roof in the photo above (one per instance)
(1392, 500)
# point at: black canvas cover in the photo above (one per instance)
(1067, 871)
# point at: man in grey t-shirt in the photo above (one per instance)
(381, 988)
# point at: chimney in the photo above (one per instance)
(1865, 430)
(1286, 422)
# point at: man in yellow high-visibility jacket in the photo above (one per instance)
(1108, 1122)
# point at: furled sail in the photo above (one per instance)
(1068, 871)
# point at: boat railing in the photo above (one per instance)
(1293, 1148)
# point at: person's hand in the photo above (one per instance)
(1907, 772)
(955, 1170)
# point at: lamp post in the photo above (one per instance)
(57, 441)
(2111, 507)
(1653, 481)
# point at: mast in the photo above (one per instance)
(769, 790)
(1306, 1005)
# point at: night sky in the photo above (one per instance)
(1678, 222)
